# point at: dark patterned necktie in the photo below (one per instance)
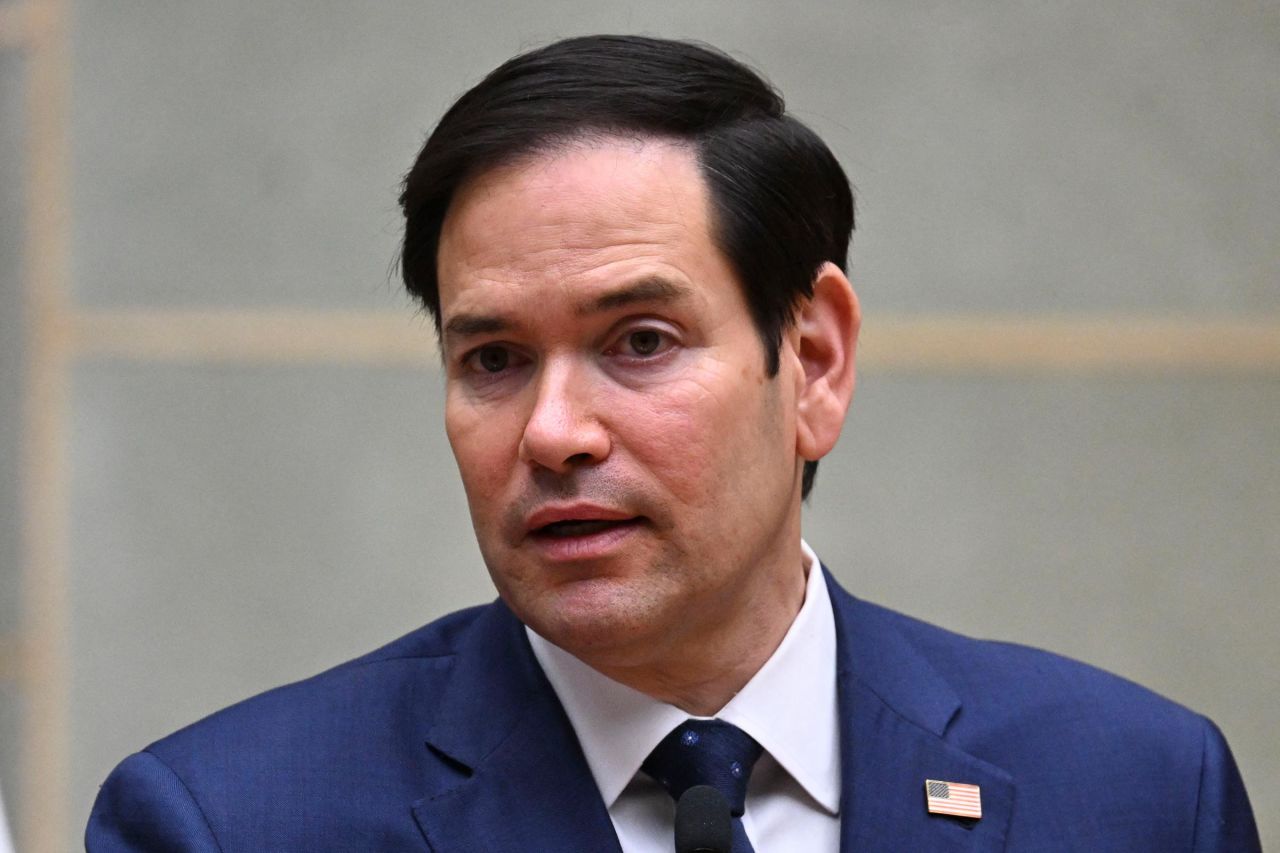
(708, 752)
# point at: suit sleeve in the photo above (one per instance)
(142, 807)
(1224, 819)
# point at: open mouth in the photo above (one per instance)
(583, 527)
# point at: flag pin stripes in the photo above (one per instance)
(953, 798)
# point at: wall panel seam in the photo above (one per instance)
(995, 344)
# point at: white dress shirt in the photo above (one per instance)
(789, 706)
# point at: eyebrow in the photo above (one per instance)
(648, 289)
(469, 325)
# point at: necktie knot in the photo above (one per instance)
(705, 752)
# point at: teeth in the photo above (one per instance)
(577, 528)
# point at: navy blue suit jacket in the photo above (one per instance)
(451, 739)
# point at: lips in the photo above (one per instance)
(579, 531)
(574, 519)
(580, 527)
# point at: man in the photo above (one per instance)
(635, 261)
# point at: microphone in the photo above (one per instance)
(703, 824)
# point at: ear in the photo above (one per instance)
(826, 339)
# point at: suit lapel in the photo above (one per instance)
(894, 710)
(508, 773)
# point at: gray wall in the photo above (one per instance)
(11, 361)
(235, 527)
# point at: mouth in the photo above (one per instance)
(579, 533)
(571, 527)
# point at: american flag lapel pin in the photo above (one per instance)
(953, 798)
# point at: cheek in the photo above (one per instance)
(481, 446)
(676, 446)
(691, 437)
(744, 434)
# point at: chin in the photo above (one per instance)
(599, 618)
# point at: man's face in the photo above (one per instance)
(631, 469)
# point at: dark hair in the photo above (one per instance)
(781, 204)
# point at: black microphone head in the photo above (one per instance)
(703, 824)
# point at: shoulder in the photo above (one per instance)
(1076, 740)
(406, 672)
(346, 745)
(1008, 689)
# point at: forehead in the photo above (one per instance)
(580, 216)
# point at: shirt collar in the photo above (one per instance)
(618, 727)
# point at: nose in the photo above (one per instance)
(564, 430)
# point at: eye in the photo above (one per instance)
(643, 343)
(490, 358)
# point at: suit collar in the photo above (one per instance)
(509, 773)
(895, 709)
(873, 651)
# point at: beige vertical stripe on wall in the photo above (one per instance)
(14, 18)
(26, 23)
(42, 807)
(10, 657)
